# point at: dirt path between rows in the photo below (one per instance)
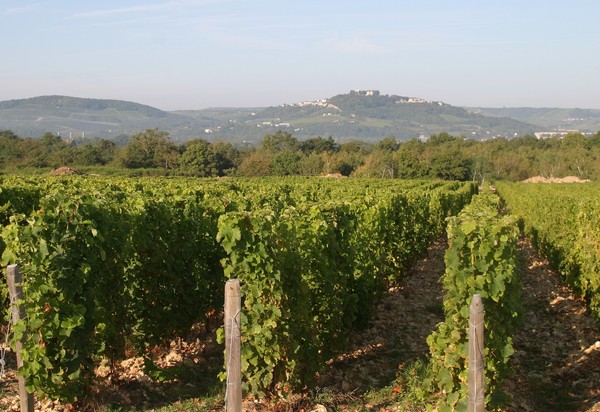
(397, 335)
(557, 359)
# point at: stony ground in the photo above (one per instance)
(557, 358)
(557, 355)
(404, 318)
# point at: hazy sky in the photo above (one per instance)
(193, 54)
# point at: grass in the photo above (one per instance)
(212, 401)
(191, 405)
(404, 393)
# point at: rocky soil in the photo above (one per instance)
(557, 359)
(404, 318)
(557, 355)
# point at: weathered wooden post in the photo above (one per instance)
(233, 326)
(476, 361)
(15, 290)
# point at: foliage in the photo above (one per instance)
(441, 138)
(101, 152)
(312, 271)
(588, 250)
(443, 156)
(256, 163)
(318, 145)
(198, 159)
(279, 142)
(311, 165)
(151, 148)
(380, 163)
(451, 165)
(99, 259)
(562, 221)
(286, 163)
(481, 259)
(114, 264)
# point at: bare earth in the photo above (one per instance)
(557, 360)
(397, 337)
(558, 349)
(566, 179)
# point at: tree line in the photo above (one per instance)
(442, 156)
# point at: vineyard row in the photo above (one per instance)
(481, 259)
(115, 264)
(563, 222)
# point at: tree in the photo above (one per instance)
(10, 148)
(576, 154)
(255, 163)
(319, 145)
(409, 160)
(440, 139)
(203, 159)
(450, 165)
(106, 150)
(151, 148)
(86, 155)
(50, 141)
(198, 159)
(356, 147)
(389, 144)
(51, 151)
(98, 153)
(279, 141)
(311, 165)
(227, 157)
(571, 140)
(286, 163)
(527, 140)
(48, 150)
(380, 164)
(594, 140)
(342, 162)
(8, 134)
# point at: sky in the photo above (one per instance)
(195, 54)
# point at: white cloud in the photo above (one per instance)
(23, 9)
(143, 8)
(122, 10)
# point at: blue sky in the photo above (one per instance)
(193, 54)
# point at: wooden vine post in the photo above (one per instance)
(15, 290)
(476, 361)
(233, 326)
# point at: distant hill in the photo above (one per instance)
(365, 115)
(75, 117)
(548, 119)
(361, 114)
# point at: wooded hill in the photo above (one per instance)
(584, 120)
(74, 117)
(363, 115)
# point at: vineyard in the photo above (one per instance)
(114, 268)
(563, 222)
(117, 264)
